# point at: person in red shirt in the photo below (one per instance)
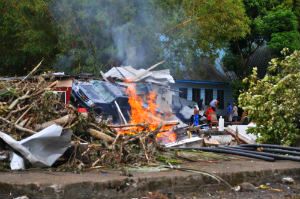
(210, 113)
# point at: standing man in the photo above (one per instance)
(235, 113)
(194, 121)
(211, 113)
(229, 111)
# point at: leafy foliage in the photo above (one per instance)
(281, 40)
(89, 36)
(273, 102)
(280, 28)
(27, 35)
(197, 29)
(274, 24)
(214, 21)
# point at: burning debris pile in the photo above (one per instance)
(37, 121)
(127, 119)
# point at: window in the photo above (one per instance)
(183, 93)
(102, 91)
(208, 96)
(61, 95)
(220, 97)
(196, 95)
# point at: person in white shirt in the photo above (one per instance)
(235, 114)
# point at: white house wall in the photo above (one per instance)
(226, 87)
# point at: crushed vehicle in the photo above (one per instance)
(102, 98)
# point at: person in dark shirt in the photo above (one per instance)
(200, 104)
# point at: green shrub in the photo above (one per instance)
(273, 102)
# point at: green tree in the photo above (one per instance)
(273, 24)
(27, 35)
(273, 102)
(280, 29)
(196, 30)
(217, 22)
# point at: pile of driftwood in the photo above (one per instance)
(28, 106)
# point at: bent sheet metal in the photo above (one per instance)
(41, 149)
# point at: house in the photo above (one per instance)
(195, 90)
(211, 84)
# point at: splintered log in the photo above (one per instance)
(16, 111)
(21, 117)
(16, 101)
(60, 121)
(100, 135)
(33, 70)
(18, 126)
(23, 123)
(166, 123)
(126, 126)
(137, 78)
(41, 91)
(170, 123)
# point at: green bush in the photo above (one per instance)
(273, 102)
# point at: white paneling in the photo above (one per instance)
(215, 93)
(202, 94)
(190, 94)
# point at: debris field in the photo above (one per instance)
(126, 119)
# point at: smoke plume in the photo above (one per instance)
(108, 32)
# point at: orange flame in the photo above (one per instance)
(147, 117)
(166, 137)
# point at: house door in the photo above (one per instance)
(196, 94)
(220, 97)
(208, 96)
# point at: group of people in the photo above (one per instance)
(210, 115)
(232, 112)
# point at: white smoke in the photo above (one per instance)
(131, 25)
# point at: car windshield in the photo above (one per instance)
(101, 90)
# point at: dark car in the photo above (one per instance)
(102, 98)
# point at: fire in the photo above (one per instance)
(146, 117)
(166, 137)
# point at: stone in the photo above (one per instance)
(288, 180)
(247, 187)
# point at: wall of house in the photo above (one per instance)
(215, 87)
